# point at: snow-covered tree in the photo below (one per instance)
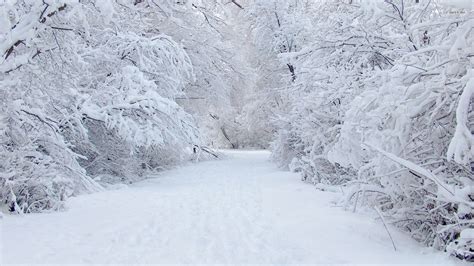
(87, 89)
(381, 104)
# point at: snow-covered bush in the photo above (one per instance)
(417, 112)
(38, 169)
(131, 109)
(381, 103)
(87, 89)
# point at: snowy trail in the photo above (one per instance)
(238, 210)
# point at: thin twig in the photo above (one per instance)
(386, 228)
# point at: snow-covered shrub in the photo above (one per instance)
(38, 169)
(131, 108)
(381, 103)
(86, 91)
(330, 71)
(417, 111)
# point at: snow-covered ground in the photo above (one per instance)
(238, 210)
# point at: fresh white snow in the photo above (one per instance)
(242, 209)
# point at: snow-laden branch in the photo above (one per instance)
(461, 147)
(412, 166)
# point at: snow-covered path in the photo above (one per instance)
(238, 210)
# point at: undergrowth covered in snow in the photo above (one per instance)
(377, 98)
(89, 94)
